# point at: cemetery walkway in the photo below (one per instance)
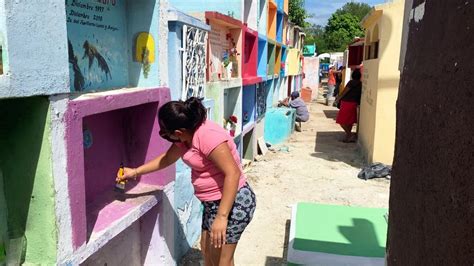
(312, 166)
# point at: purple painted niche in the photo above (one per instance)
(102, 132)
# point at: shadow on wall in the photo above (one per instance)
(362, 238)
(329, 147)
(21, 137)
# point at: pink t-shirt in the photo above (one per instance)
(207, 179)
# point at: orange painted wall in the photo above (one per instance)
(272, 13)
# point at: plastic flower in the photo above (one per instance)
(233, 119)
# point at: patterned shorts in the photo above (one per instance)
(239, 217)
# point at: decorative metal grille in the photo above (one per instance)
(194, 62)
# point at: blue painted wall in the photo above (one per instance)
(143, 16)
(262, 56)
(105, 31)
(280, 4)
(175, 36)
(279, 124)
(41, 66)
(279, 26)
(188, 210)
(232, 8)
(102, 38)
(269, 86)
(249, 97)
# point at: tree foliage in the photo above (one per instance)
(297, 13)
(341, 29)
(359, 10)
(315, 34)
(343, 26)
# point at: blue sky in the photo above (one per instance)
(323, 9)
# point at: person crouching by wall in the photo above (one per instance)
(302, 113)
(349, 100)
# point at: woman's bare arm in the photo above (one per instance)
(164, 160)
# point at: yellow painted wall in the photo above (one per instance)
(380, 90)
(368, 108)
(293, 61)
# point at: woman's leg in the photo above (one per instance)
(222, 256)
(205, 243)
(236, 225)
(347, 130)
(216, 256)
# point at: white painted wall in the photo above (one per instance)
(262, 16)
(60, 176)
(250, 9)
(124, 249)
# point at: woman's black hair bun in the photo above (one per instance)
(196, 111)
(193, 103)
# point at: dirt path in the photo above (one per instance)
(316, 168)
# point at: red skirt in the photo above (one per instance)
(347, 114)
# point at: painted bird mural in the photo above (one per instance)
(79, 81)
(90, 51)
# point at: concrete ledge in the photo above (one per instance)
(226, 84)
(175, 15)
(224, 19)
(248, 127)
(137, 202)
(251, 80)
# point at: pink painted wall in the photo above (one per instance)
(249, 66)
(124, 127)
(124, 135)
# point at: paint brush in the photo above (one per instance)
(120, 185)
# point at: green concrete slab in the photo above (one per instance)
(340, 230)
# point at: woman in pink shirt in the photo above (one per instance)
(217, 176)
